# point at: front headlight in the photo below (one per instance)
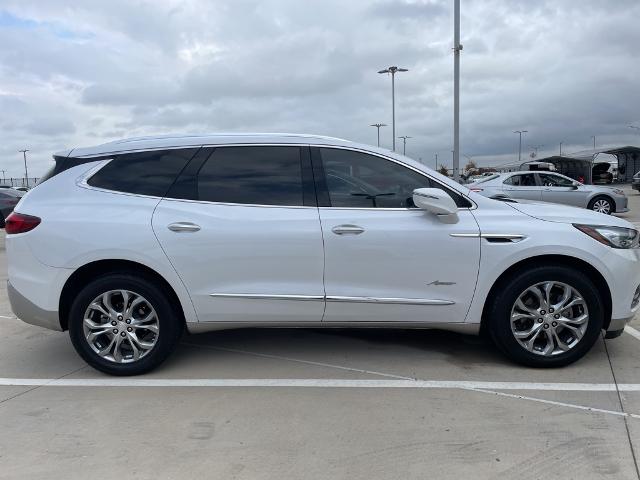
(614, 237)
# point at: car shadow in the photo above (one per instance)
(463, 351)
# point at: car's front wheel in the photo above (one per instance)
(548, 316)
(123, 324)
(602, 204)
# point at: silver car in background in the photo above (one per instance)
(554, 188)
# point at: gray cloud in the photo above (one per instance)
(78, 73)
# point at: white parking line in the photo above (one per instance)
(632, 331)
(317, 383)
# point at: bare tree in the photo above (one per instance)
(442, 169)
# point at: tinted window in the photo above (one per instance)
(147, 173)
(550, 180)
(359, 180)
(523, 180)
(252, 175)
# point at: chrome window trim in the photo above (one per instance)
(82, 181)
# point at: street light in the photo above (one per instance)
(378, 125)
(393, 71)
(561, 148)
(457, 48)
(594, 141)
(26, 173)
(404, 145)
(520, 132)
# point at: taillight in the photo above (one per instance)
(20, 223)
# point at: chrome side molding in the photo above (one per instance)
(335, 298)
(263, 296)
(390, 301)
(493, 237)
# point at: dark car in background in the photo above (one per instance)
(9, 198)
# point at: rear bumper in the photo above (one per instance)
(29, 312)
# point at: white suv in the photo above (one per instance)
(125, 244)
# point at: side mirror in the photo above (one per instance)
(438, 202)
(575, 186)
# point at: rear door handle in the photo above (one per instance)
(347, 230)
(183, 227)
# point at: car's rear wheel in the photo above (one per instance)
(123, 324)
(549, 316)
(602, 204)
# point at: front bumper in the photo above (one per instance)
(29, 312)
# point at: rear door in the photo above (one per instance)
(241, 228)
(522, 185)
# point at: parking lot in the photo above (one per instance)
(293, 403)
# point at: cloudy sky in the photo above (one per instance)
(77, 73)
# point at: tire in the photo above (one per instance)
(503, 305)
(602, 204)
(154, 327)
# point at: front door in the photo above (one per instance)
(559, 189)
(386, 261)
(241, 228)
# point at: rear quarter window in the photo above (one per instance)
(143, 173)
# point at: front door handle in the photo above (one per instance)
(347, 230)
(183, 227)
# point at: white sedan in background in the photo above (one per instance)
(554, 188)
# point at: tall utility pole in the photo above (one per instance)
(26, 173)
(520, 132)
(457, 48)
(436, 160)
(594, 141)
(560, 148)
(393, 71)
(404, 145)
(378, 125)
(3, 178)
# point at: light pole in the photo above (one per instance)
(3, 179)
(393, 71)
(26, 173)
(436, 160)
(404, 144)
(520, 132)
(560, 148)
(594, 141)
(457, 48)
(378, 125)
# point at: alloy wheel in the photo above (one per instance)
(121, 326)
(549, 318)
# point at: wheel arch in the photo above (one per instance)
(605, 196)
(101, 267)
(552, 260)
